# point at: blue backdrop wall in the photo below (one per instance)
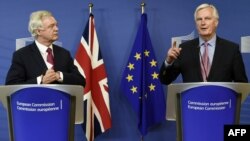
(116, 24)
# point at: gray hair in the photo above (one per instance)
(36, 21)
(205, 5)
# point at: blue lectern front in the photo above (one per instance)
(43, 112)
(202, 109)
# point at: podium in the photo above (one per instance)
(42, 112)
(202, 109)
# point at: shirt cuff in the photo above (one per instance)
(61, 77)
(39, 79)
(167, 64)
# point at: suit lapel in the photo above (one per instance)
(216, 59)
(196, 54)
(57, 57)
(38, 57)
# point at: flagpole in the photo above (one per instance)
(90, 7)
(143, 4)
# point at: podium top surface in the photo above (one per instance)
(243, 88)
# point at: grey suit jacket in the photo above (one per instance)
(28, 64)
(227, 65)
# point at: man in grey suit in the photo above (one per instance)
(30, 64)
(224, 61)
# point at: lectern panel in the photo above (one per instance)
(205, 110)
(40, 114)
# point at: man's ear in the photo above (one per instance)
(216, 23)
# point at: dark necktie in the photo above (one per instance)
(50, 58)
(205, 66)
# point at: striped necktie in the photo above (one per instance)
(50, 58)
(205, 64)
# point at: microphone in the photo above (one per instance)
(202, 64)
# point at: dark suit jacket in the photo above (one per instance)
(28, 64)
(227, 65)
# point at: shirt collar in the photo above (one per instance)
(211, 42)
(42, 48)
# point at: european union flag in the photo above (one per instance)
(140, 82)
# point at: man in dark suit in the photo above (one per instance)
(33, 64)
(206, 58)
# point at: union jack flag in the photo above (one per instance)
(88, 59)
